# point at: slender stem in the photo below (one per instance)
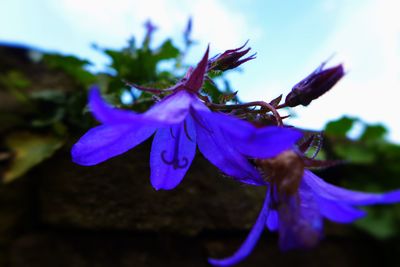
(281, 106)
(262, 104)
(147, 89)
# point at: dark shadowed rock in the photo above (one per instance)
(105, 250)
(117, 194)
(122, 249)
(19, 61)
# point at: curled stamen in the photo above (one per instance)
(184, 164)
(186, 131)
(172, 133)
(175, 161)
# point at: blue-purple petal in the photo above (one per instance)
(172, 153)
(251, 141)
(335, 193)
(268, 142)
(173, 109)
(273, 221)
(339, 212)
(218, 149)
(105, 113)
(248, 245)
(107, 141)
(300, 221)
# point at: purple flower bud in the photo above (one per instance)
(314, 85)
(150, 29)
(230, 59)
(195, 77)
(187, 33)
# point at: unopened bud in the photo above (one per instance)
(150, 29)
(314, 85)
(230, 59)
(187, 33)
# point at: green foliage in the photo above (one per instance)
(139, 64)
(381, 222)
(9, 121)
(340, 127)
(362, 150)
(216, 94)
(16, 84)
(374, 133)
(72, 66)
(372, 165)
(28, 150)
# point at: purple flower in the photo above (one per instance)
(298, 217)
(180, 121)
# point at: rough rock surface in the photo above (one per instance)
(122, 249)
(117, 194)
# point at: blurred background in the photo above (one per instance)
(56, 213)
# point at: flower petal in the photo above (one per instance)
(172, 109)
(105, 113)
(172, 153)
(219, 150)
(248, 245)
(249, 140)
(335, 193)
(273, 221)
(107, 141)
(272, 140)
(339, 212)
(300, 221)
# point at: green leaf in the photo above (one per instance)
(16, 83)
(355, 153)
(167, 51)
(340, 127)
(223, 98)
(212, 91)
(15, 79)
(373, 133)
(381, 222)
(10, 120)
(52, 118)
(53, 96)
(29, 150)
(73, 66)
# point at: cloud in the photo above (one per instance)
(115, 20)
